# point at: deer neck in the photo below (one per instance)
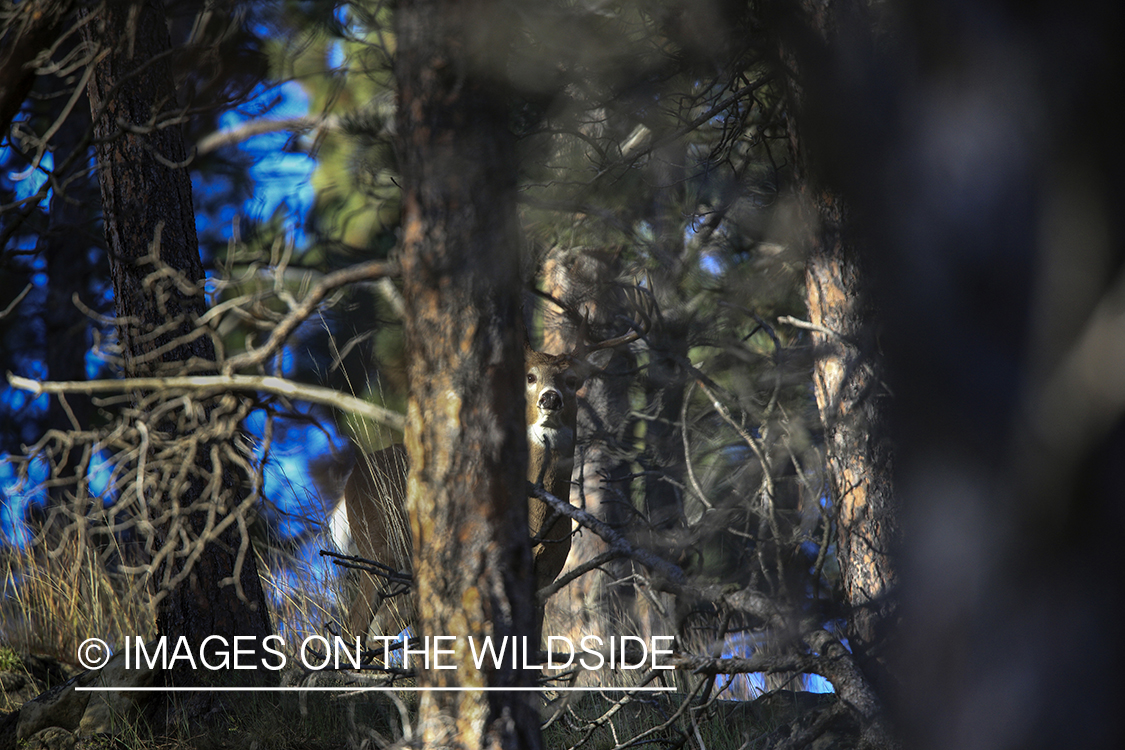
(551, 457)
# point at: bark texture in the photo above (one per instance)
(157, 278)
(467, 495)
(848, 378)
(598, 602)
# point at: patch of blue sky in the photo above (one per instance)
(712, 263)
(285, 484)
(281, 174)
(286, 361)
(286, 474)
(99, 474)
(750, 685)
(814, 683)
(17, 401)
(94, 364)
(336, 58)
(97, 357)
(745, 687)
(28, 182)
(16, 494)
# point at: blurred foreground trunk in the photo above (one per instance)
(465, 433)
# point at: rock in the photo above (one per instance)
(8, 724)
(88, 712)
(61, 706)
(17, 689)
(29, 678)
(51, 738)
(107, 711)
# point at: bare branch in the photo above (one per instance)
(265, 384)
(350, 275)
(798, 323)
(314, 124)
(617, 542)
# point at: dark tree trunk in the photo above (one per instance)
(982, 150)
(668, 345)
(67, 250)
(148, 215)
(32, 27)
(146, 191)
(465, 432)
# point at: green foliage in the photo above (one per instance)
(344, 67)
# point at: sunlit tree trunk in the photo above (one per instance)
(467, 493)
(598, 602)
(848, 377)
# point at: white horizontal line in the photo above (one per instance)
(326, 689)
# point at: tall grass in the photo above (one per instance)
(57, 592)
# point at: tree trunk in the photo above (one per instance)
(465, 433)
(665, 378)
(597, 603)
(68, 269)
(150, 226)
(33, 26)
(848, 378)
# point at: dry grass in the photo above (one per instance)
(57, 593)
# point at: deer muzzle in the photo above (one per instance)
(550, 400)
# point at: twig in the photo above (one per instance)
(231, 136)
(361, 272)
(616, 541)
(798, 323)
(19, 298)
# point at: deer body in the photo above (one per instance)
(375, 496)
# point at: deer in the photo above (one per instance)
(373, 507)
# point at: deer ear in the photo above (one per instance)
(597, 360)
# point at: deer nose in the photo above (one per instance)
(550, 400)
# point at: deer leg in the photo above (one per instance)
(363, 607)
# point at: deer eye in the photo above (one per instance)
(531, 378)
(572, 381)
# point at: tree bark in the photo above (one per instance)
(597, 603)
(467, 494)
(851, 398)
(149, 227)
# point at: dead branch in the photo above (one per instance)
(209, 384)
